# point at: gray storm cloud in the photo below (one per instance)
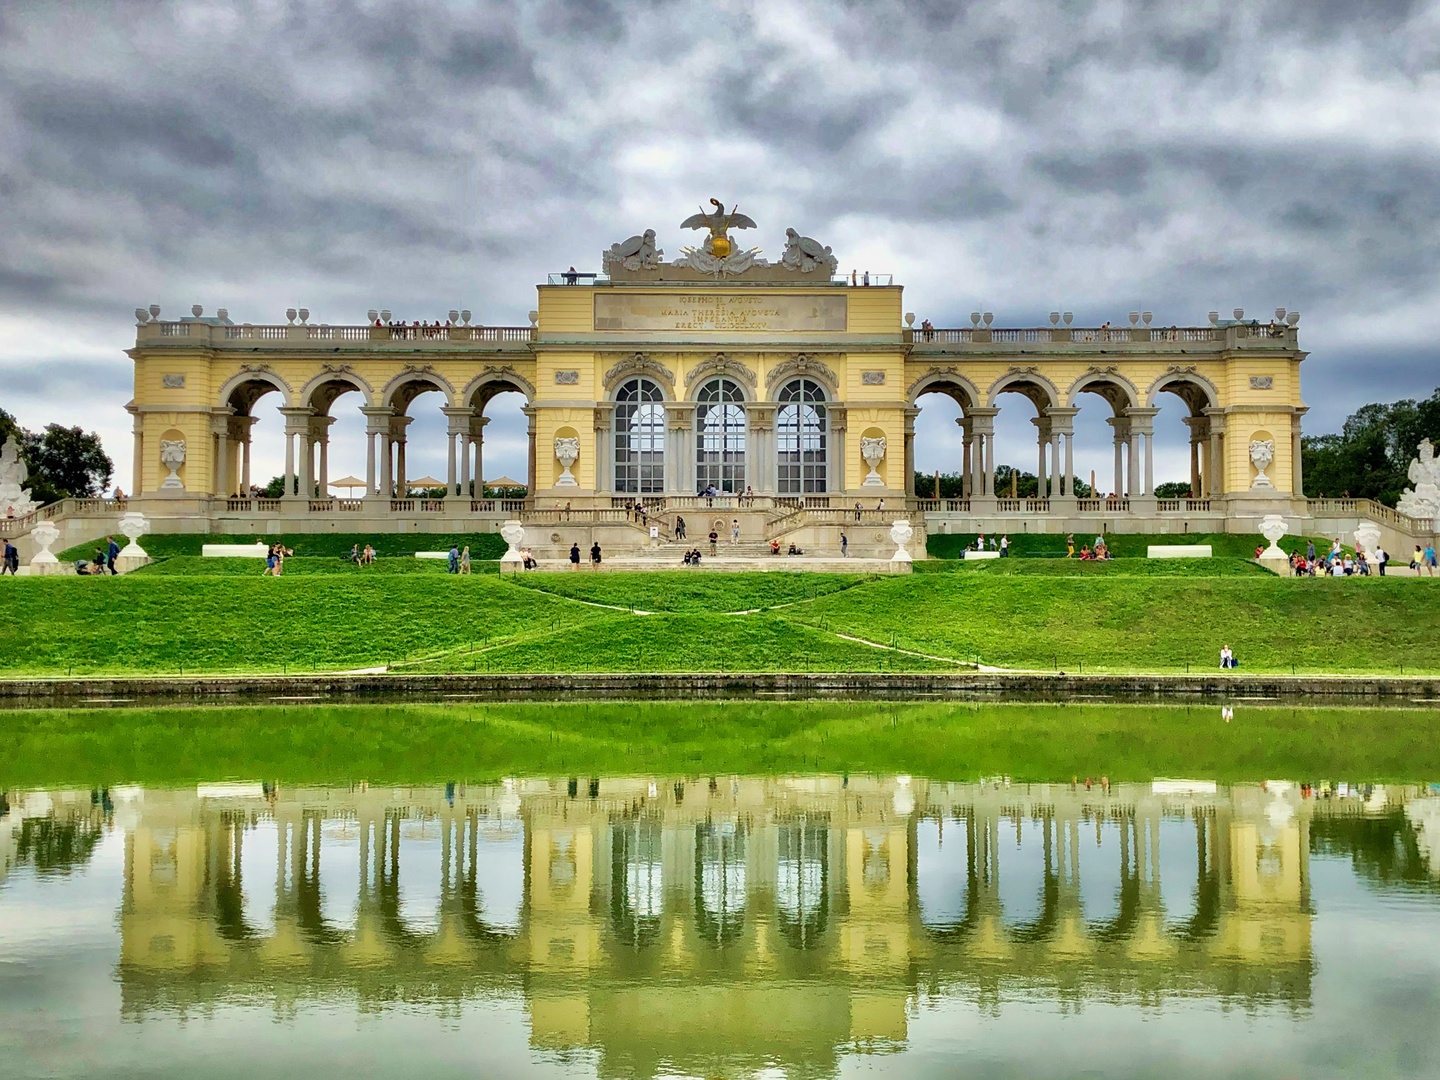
(1015, 157)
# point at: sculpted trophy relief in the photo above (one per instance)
(1423, 500)
(14, 500)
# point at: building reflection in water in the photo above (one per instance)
(798, 918)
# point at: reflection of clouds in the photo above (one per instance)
(942, 871)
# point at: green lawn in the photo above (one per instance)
(1121, 545)
(199, 615)
(468, 741)
(333, 545)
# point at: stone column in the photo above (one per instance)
(1142, 477)
(318, 433)
(1297, 476)
(1217, 451)
(1042, 440)
(964, 424)
(456, 437)
(602, 419)
(982, 429)
(477, 441)
(464, 480)
(532, 481)
(680, 435)
(761, 466)
(604, 447)
(1199, 471)
(400, 484)
(1062, 426)
(835, 474)
(910, 415)
(377, 440)
(1121, 426)
(297, 425)
(137, 428)
(220, 425)
(245, 458)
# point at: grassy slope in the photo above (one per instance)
(1129, 615)
(196, 566)
(1127, 623)
(471, 742)
(1121, 545)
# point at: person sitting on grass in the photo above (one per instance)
(354, 555)
(1085, 555)
(367, 556)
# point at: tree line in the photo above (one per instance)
(63, 462)
(1369, 457)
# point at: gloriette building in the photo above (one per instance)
(657, 379)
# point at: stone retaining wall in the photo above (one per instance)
(439, 688)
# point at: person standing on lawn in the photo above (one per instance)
(453, 561)
(575, 556)
(112, 552)
(595, 555)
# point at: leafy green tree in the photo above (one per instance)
(1370, 456)
(66, 462)
(10, 426)
(275, 489)
(1174, 489)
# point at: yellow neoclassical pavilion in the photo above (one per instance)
(716, 374)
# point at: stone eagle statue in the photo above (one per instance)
(719, 223)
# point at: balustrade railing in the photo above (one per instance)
(1117, 335)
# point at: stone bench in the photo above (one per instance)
(968, 554)
(432, 554)
(234, 551)
(1178, 551)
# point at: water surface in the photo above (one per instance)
(728, 925)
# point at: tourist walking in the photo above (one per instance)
(735, 531)
(857, 511)
(465, 560)
(1416, 560)
(11, 559)
(112, 552)
(575, 556)
(714, 539)
(844, 546)
(1381, 558)
(453, 560)
(595, 555)
(1070, 546)
(679, 528)
(1005, 546)
(1430, 559)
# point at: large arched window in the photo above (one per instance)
(639, 439)
(720, 437)
(801, 438)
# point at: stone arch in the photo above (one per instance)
(721, 366)
(638, 364)
(803, 365)
(397, 389)
(1027, 381)
(1189, 385)
(947, 381)
(494, 380)
(1108, 383)
(250, 379)
(316, 393)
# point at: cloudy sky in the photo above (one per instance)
(1017, 157)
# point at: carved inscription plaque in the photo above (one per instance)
(745, 312)
(173, 382)
(1262, 382)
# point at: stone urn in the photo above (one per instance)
(1262, 453)
(1367, 539)
(172, 456)
(44, 534)
(513, 533)
(1273, 527)
(567, 452)
(134, 525)
(873, 451)
(901, 534)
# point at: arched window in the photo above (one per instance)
(800, 437)
(720, 437)
(639, 439)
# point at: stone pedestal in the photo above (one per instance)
(1279, 566)
(125, 563)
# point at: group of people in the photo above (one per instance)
(458, 562)
(1000, 544)
(775, 547)
(275, 556)
(362, 556)
(1099, 553)
(1337, 563)
(575, 557)
(692, 557)
(417, 329)
(103, 562)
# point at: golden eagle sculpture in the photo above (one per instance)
(719, 223)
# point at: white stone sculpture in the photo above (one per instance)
(44, 534)
(134, 525)
(901, 534)
(567, 452)
(172, 456)
(14, 500)
(1423, 500)
(805, 253)
(1273, 527)
(636, 253)
(512, 532)
(873, 451)
(1367, 539)
(706, 261)
(1262, 453)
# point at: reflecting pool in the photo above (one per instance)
(721, 926)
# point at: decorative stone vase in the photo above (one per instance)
(1262, 453)
(873, 451)
(134, 525)
(901, 534)
(1367, 538)
(172, 456)
(44, 534)
(567, 452)
(1273, 527)
(513, 533)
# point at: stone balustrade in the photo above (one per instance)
(304, 335)
(1145, 338)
